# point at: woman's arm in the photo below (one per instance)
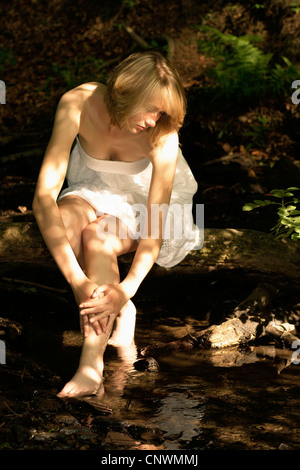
(164, 167)
(50, 181)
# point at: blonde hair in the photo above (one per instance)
(138, 81)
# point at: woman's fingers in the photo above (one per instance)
(90, 321)
(104, 325)
(98, 327)
(92, 302)
(94, 312)
(100, 313)
(98, 292)
(100, 309)
(101, 316)
(99, 295)
(84, 325)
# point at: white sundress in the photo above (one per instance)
(121, 189)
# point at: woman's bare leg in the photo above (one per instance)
(76, 214)
(100, 259)
(123, 332)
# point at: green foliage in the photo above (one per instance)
(28, 290)
(74, 72)
(295, 6)
(258, 132)
(288, 223)
(282, 76)
(242, 70)
(258, 6)
(129, 3)
(160, 47)
(6, 57)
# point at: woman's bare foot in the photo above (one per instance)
(89, 375)
(123, 333)
(85, 382)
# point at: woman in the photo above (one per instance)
(126, 156)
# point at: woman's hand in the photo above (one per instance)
(87, 290)
(106, 300)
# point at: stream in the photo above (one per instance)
(224, 399)
(243, 398)
(230, 399)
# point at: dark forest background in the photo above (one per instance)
(240, 66)
(237, 60)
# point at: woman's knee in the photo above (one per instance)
(76, 213)
(100, 236)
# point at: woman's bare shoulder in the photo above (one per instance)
(166, 150)
(81, 93)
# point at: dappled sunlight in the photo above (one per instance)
(239, 66)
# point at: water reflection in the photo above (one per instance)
(241, 399)
(233, 398)
(179, 416)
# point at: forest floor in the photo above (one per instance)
(53, 46)
(237, 152)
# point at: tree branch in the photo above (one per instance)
(226, 249)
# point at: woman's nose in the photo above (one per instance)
(150, 122)
(152, 119)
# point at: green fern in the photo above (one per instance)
(288, 213)
(241, 69)
(281, 77)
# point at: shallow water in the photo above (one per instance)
(201, 399)
(222, 399)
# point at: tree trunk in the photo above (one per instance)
(223, 249)
(250, 320)
(21, 242)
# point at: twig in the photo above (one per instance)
(16, 414)
(136, 37)
(34, 284)
(17, 217)
(32, 153)
(171, 45)
(23, 373)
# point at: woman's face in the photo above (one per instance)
(145, 118)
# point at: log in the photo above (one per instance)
(237, 357)
(226, 249)
(10, 329)
(186, 343)
(249, 321)
(223, 249)
(138, 39)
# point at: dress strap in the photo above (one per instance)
(112, 166)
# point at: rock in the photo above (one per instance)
(82, 433)
(46, 436)
(19, 433)
(283, 446)
(120, 440)
(67, 419)
(149, 364)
